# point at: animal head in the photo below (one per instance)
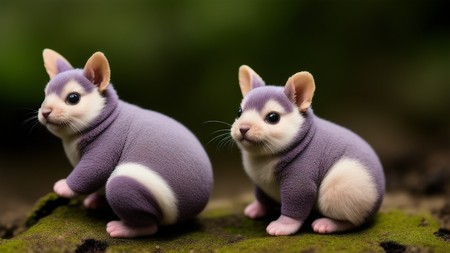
(270, 117)
(73, 97)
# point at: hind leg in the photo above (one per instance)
(119, 229)
(134, 206)
(255, 210)
(141, 199)
(96, 200)
(347, 197)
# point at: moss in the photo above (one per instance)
(44, 207)
(70, 228)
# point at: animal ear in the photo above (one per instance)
(300, 89)
(97, 71)
(248, 79)
(54, 63)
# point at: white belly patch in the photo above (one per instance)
(261, 169)
(71, 150)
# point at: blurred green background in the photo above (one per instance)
(382, 69)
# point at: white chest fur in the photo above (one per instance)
(72, 153)
(261, 169)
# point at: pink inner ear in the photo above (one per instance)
(93, 76)
(244, 79)
(97, 71)
(289, 90)
(300, 89)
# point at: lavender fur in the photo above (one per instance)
(124, 133)
(301, 163)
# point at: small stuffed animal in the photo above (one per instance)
(152, 169)
(301, 163)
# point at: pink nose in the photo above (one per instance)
(244, 130)
(46, 112)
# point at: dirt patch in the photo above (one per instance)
(92, 246)
(392, 247)
(444, 216)
(444, 234)
(12, 224)
(45, 207)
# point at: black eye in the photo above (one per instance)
(239, 112)
(273, 118)
(73, 98)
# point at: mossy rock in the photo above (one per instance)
(64, 226)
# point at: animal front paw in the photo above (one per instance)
(255, 210)
(118, 229)
(284, 225)
(62, 189)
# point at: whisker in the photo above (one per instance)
(230, 143)
(30, 110)
(264, 146)
(221, 130)
(222, 137)
(224, 142)
(220, 133)
(69, 123)
(268, 144)
(74, 127)
(33, 125)
(217, 121)
(32, 114)
(219, 137)
(31, 121)
(78, 124)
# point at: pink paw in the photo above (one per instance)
(255, 210)
(328, 226)
(95, 201)
(118, 229)
(284, 225)
(62, 189)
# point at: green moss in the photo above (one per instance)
(44, 207)
(69, 227)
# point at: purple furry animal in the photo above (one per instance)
(300, 162)
(152, 169)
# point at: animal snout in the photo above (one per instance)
(244, 129)
(46, 112)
